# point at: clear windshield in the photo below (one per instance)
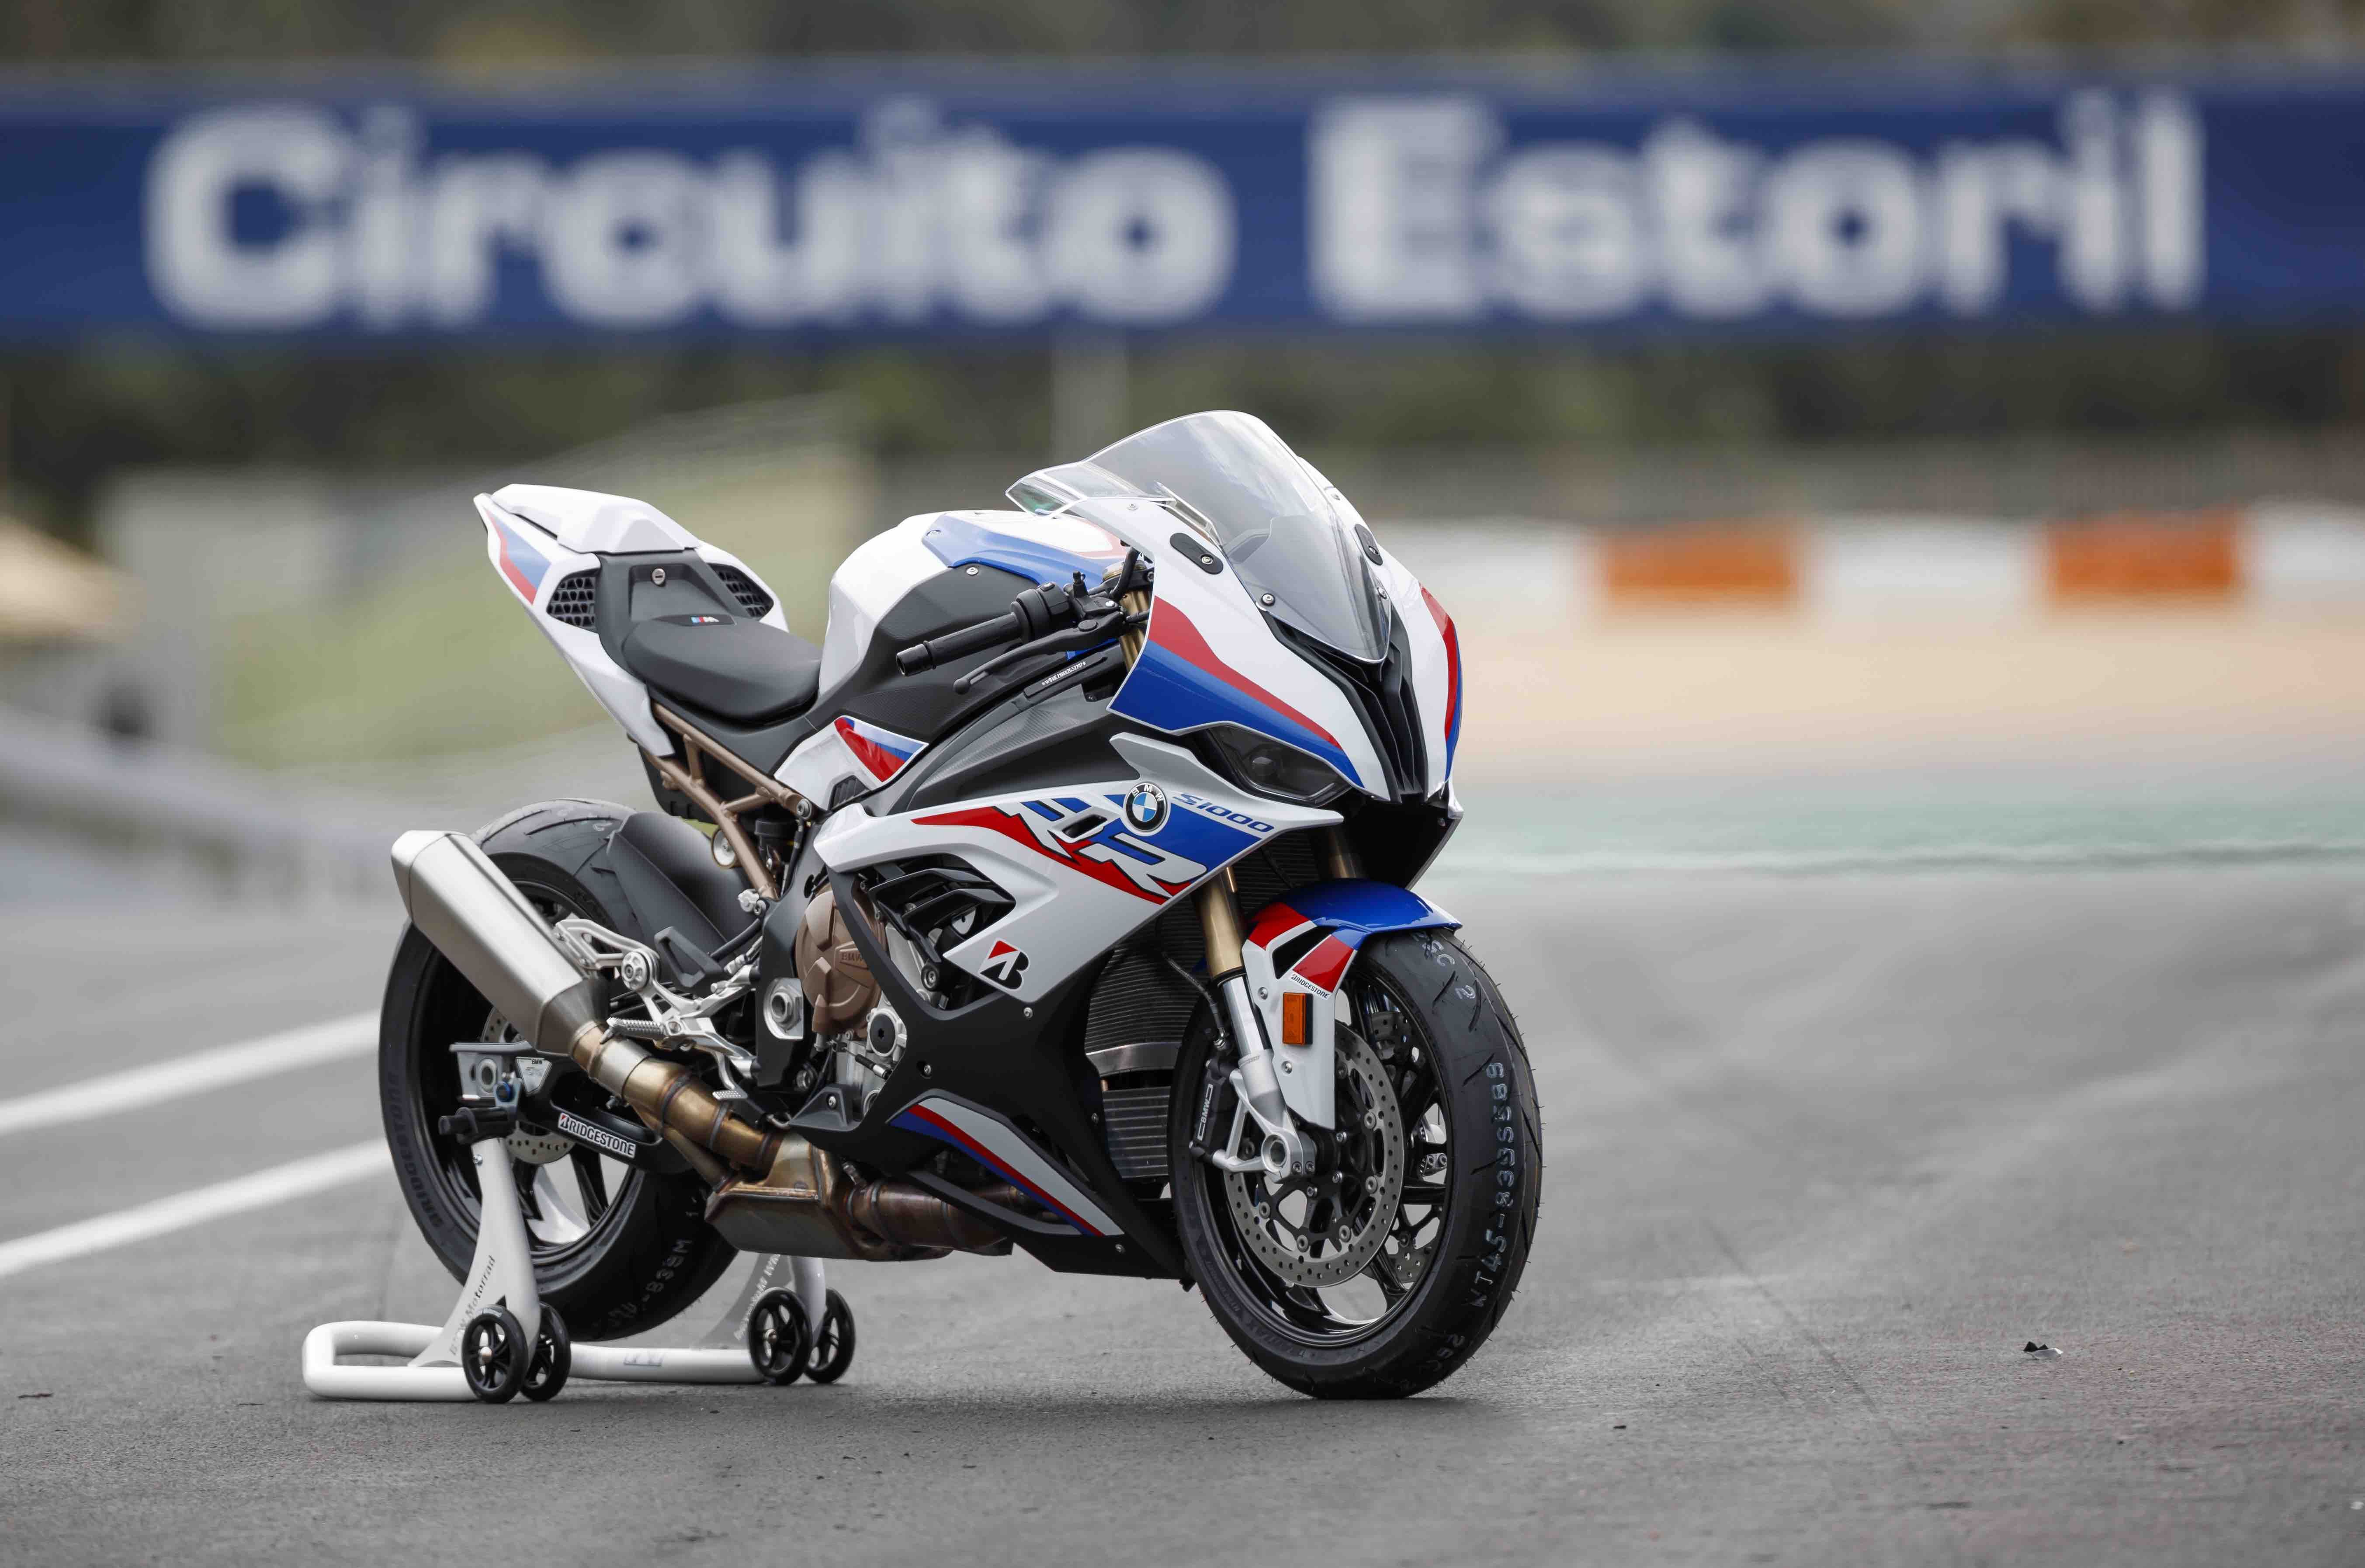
(1232, 477)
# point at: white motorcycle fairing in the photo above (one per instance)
(539, 536)
(1211, 657)
(1084, 866)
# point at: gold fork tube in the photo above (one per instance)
(1135, 603)
(1219, 924)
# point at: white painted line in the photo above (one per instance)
(192, 1074)
(281, 1183)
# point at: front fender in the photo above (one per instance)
(1301, 945)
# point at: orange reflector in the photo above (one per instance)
(1296, 1018)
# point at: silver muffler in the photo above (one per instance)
(476, 918)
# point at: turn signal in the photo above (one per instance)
(1296, 1018)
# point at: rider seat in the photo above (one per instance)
(726, 665)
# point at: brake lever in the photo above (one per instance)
(1082, 635)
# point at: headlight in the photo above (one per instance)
(1271, 767)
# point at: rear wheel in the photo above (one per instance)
(615, 1249)
(1384, 1270)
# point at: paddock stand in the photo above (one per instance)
(482, 1350)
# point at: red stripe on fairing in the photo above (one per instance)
(1277, 922)
(1172, 629)
(876, 759)
(1453, 662)
(509, 567)
(1322, 968)
(987, 1156)
(993, 821)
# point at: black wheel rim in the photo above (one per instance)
(553, 1358)
(1365, 1306)
(833, 1347)
(572, 1206)
(777, 1338)
(488, 1354)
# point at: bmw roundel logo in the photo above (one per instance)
(1145, 807)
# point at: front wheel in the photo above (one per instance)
(1382, 1272)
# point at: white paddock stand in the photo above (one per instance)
(501, 1274)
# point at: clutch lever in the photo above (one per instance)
(1088, 633)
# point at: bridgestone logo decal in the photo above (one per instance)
(581, 1131)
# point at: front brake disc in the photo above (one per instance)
(1315, 1231)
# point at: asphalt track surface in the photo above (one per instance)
(1822, 1154)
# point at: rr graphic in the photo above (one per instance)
(1156, 871)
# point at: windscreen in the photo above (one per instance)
(1235, 479)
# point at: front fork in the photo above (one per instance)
(1282, 1148)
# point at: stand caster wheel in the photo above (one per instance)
(494, 1355)
(833, 1347)
(779, 1338)
(554, 1358)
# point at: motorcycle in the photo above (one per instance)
(1060, 901)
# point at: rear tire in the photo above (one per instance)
(1461, 1075)
(649, 1253)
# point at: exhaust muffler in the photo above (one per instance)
(476, 918)
(797, 1203)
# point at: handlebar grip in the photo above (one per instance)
(954, 645)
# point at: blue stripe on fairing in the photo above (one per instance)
(1186, 832)
(958, 542)
(1169, 692)
(1365, 907)
(911, 1120)
(531, 563)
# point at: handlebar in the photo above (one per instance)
(1035, 612)
(927, 655)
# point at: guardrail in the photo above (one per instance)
(134, 797)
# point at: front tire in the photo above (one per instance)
(615, 1250)
(1420, 1016)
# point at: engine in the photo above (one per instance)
(826, 1004)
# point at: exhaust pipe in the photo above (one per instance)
(476, 918)
(799, 1202)
(806, 1206)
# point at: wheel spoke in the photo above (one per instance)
(591, 1177)
(527, 1178)
(560, 1221)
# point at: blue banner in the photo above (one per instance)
(923, 202)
